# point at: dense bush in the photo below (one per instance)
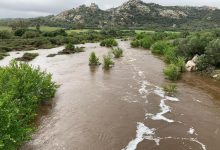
(107, 62)
(180, 62)
(135, 43)
(213, 52)
(159, 47)
(170, 55)
(202, 63)
(109, 43)
(5, 35)
(172, 72)
(93, 60)
(22, 89)
(19, 32)
(30, 34)
(117, 52)
(146, 42)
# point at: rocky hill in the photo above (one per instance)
(136, 13)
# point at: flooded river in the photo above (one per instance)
(124, 108)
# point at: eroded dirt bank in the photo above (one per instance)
(125, 108)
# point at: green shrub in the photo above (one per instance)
(117, 52)
(19, 32)
(27, 57)
(5, 34)
(170, 89)
(172, 72)
(202, 63)
(146, 42)
(71, 49)
(159, 47)
(22, 89)
(30, 34)
(180, 62)
(213, 52)
(94, 60)
(135, 43)
(109, 43)
(70, 46)
(107, 62)
(170, 55)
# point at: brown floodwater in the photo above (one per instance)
(124, 108)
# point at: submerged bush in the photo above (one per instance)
(117, 52)
(71, 49)
(172, 72)
(22, 89)
(109, 43)
(93, 60)
(107, 62)
(170, 89)
(27, 57)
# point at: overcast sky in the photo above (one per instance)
(34, 8)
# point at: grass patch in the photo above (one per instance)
(27, 57)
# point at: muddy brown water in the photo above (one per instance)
(124, 108)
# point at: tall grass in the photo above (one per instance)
(107, 62)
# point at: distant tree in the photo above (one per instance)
(38, 27)
(20, 24)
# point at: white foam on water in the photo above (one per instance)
(142, 132)
(203, 146)
(164, 109)
(191, 130)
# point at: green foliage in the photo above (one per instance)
(109, 43)
(146, 42)
(170, 55)
(30, 34)
(5, 34)
(180, 62)
(159, 47)
(172, 72)
(70, 46)
(71, 49)
(27, 57)
(22, 89)
(117, 52)
(19, 32)
(135, 43)
(170, 89)
(202, 63)
(93, 60)
(107, 62)
(213, 52)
